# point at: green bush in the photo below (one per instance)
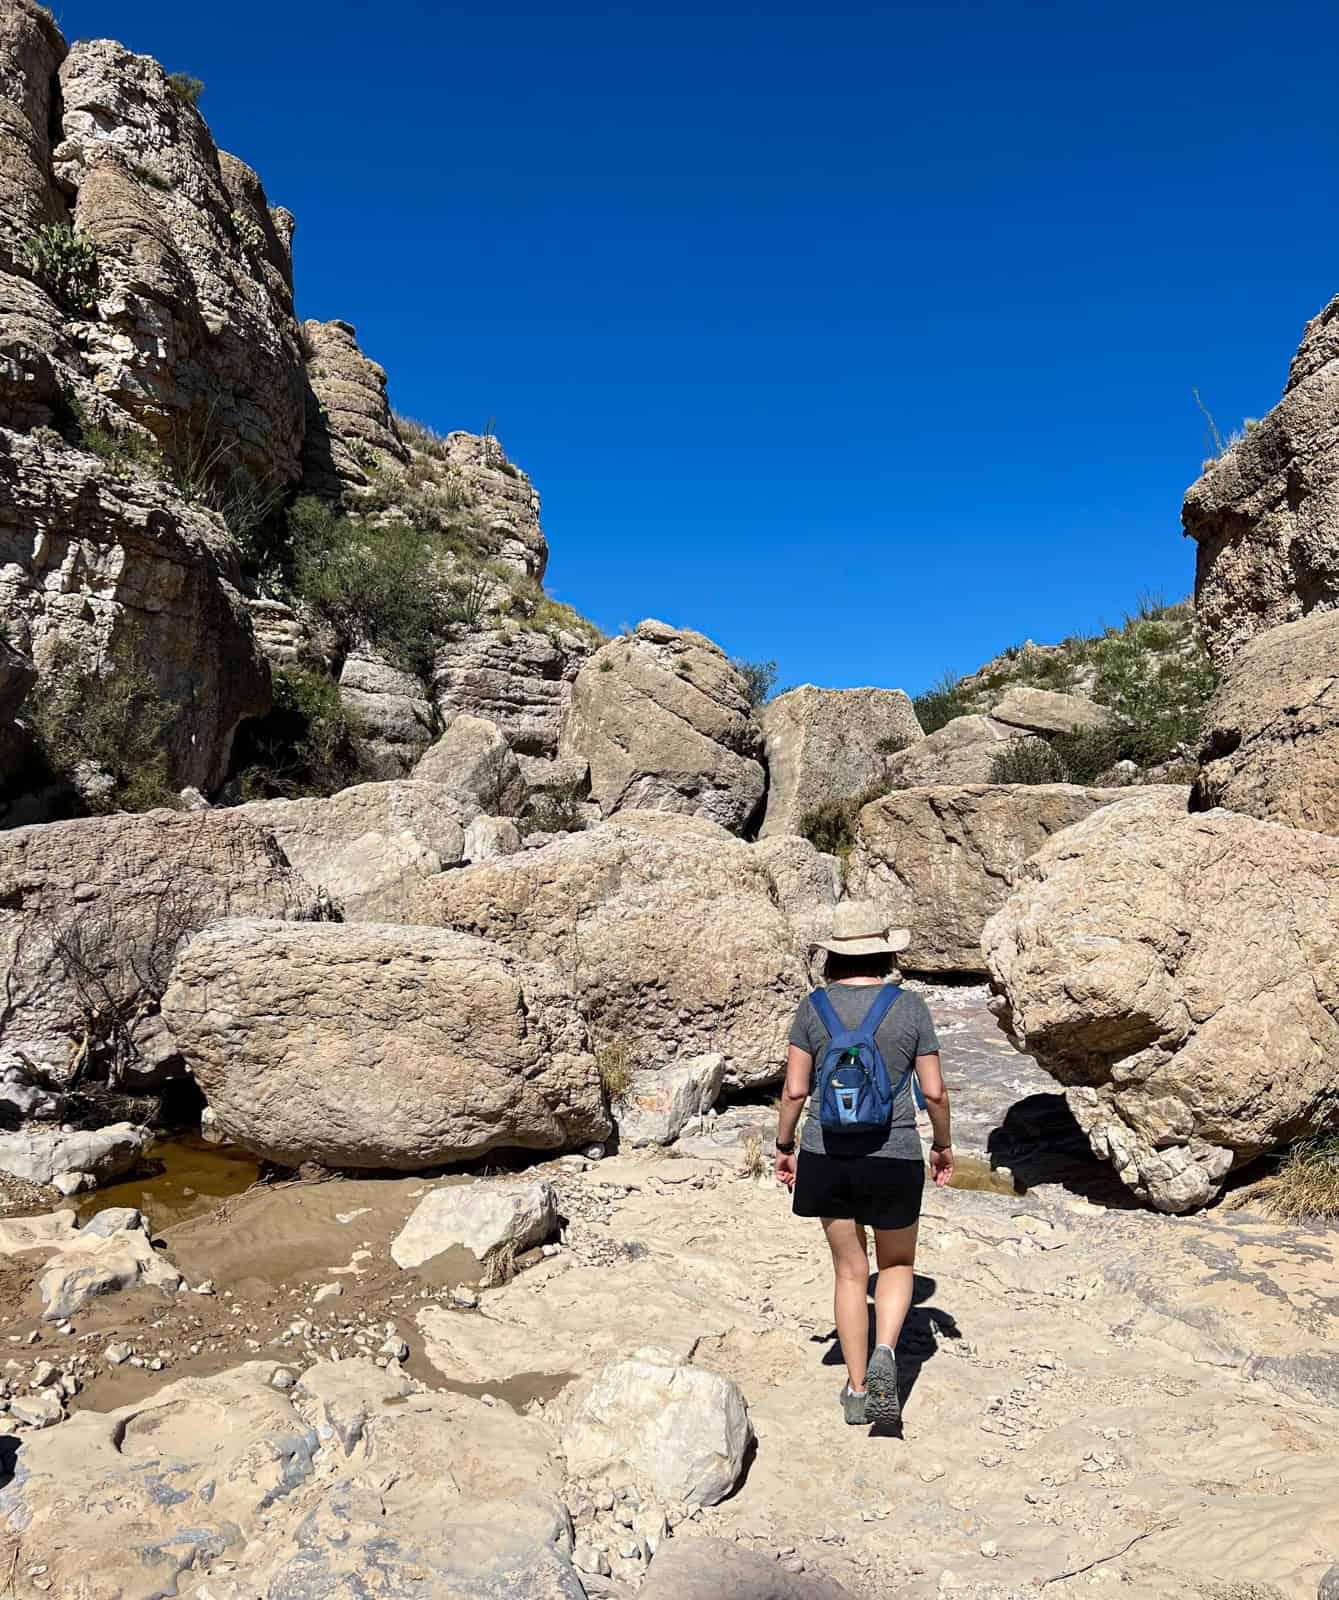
(941, 703)
(832, 825)
(1026, 761)
(127, 454)
(558, 811)
(304, 745)
(185, 87)
(1088, 753)
(759, 679)
(65, 263)
(1157, 691)
(109, 724)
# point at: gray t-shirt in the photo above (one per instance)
(905, 1033)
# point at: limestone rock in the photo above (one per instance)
(1265, 515)
(39, 1155)
(90, 565)
(657, 1105)
(21, 1096)
(372, 1045)
(333, 1487)
(474, 762)
(502, 502)
(808, 882)
(681, 1430)
(117, 894)
(1271, 730)
(941, 861)
(690, 1568)
(348, 417)
(480, 1217)
(99, 1261)
(1045, 712)
(666, 927)
(281, 636)
(487, 838)
(397, 720)
(365, 845)
(1176, 973)
(830, 744)
(519, 678)
(665, 723)
(960, 752)
(1329, 1585)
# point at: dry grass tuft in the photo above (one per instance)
(1306, 1186)
(499, 1265)
(614, 1064)
(753, 1162)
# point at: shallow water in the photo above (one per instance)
(181, 1177)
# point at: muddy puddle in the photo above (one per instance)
(180, 1178)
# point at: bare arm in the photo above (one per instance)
(931, 1079)
(795, 1091)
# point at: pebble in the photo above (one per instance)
(589, 1560)
(929, 1474)
(395, 1349)
(115, 1354)
(204, 1287)
(464, 1297)
(990, 1549)
(283, 1378)
(328, 1291)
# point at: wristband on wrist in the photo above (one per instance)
(785, 1147)
(942, 1147)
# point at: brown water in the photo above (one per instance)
(180, 1178)
(971, 1171)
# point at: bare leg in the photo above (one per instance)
(895, 1251)
(850, 1269)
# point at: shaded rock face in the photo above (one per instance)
(1265, 515)
(1179, 975)
(373, 1045)
(664, 721)
(93, 910)
(667, 929)
(1271, 730)
(90, 565)
(347, 412)
(521, 680)
(364, 846)
(941, 861)
(309, 1492)
(829, 744)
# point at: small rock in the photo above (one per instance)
(990, 1549)
(40, 1410)
(395, 1350)
(465, 1297)
(206, 1286)
(116, 1354)
(589, 1560)
(43, 1373)
(283, 1378)
(931, 1473)
(328, 1291)
(594, 1152)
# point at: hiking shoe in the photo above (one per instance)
(882, 1404)
(853, 1405)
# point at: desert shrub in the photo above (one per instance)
(606, 665)
(555, 615)
(207, 470)
(185, 87)
(832, 825)
(65, 263)
(891, 744)
(152, 177)
(1026, 761)
(1159, 693)
(941, 703)
(759, 679)
(1087, 753)
(753, 1158)
(419, 436)
(304, 745)
(559, 810)
(1306, 1185)
(614, 1063)
(102, 733)
(249, 232)
(126, 453)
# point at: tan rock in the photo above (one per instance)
(1271, 730)
(395, 717)
(364, 846)
(663, 719)
(1176, 973)
(476, 764)
(117, 894)
(519, 678)
(373, 1045)
(808, 882)
(1045, 712)
(479, 1217)
(348, 417)
(830, 744)
(962, 751)
(90, 564)
(1265, 515)
(666, 927)
(941, 861)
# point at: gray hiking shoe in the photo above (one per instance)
(853, 1405)
(882, 1403)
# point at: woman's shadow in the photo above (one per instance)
(925, 1326)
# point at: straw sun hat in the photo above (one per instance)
(859, 928)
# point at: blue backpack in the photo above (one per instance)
(853, 1091)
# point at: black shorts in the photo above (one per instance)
(880, 1191)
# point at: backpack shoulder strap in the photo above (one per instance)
(826, 1014)
(882, 1004)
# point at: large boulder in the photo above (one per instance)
(1043, 711)
(1271, 730)
(395, 718)
(666, 927)
(657, 1106)
(92, 911)
(95, 568)
(962, 751)
(479, 1217)
(41, 1155)
(519, 678)
(666, 724)
(683, 1431)
(363, 846)
(1265, 514)
(1178, 973)
(941, 861)
(373, 1045)
(808, 882)
(475, 762)
(144, 1499)
(830, 744)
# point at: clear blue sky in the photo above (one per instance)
(860, 337)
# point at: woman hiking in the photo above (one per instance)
(855, 1046)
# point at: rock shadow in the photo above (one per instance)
(919, 1340)
(1040, 1142)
